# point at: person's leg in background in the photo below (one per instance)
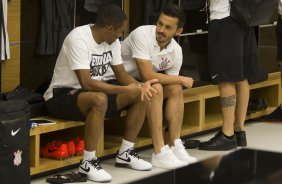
(242, 99)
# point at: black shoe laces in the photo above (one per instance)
(95, 163)
(134, 153)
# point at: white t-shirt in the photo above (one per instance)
(142, 44)
(219, 9)
(5, 46)
(80, 51)
(280, 7)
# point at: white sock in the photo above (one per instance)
(88, 155)
(125, 145)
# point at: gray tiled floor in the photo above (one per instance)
(266, 136)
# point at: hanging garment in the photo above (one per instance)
(57, 21)
(4, 40)
(153, 9)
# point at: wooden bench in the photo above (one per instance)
(201, 112)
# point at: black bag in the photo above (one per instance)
(252, 12)
(192, 4)
(14, 142)
(35, 100)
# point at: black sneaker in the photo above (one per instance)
(241, 138)
(219, 143)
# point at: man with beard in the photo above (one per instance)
(150, 52)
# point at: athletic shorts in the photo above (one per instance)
(63, 105)
(232, 52)
(279, 39)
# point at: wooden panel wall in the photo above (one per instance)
(10, 69)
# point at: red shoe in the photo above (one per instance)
(71, 148)
(54, 150)
(79, 146)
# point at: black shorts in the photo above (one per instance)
(63, 105)
(279, 39)
(232, 51)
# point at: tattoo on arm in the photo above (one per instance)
(228, 101)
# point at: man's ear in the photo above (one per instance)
(110, 28)
(178, 31)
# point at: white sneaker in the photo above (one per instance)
(166, 159)
(94, 171)
(179, 151)
(130, 158)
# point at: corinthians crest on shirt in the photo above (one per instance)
(99, 63)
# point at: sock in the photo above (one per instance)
(88, 155)
(125, 145)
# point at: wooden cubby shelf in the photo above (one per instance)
(201, 112)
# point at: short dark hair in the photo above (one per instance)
(173, 10)
(110, 15)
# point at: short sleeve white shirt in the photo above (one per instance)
(142, 44)
(80, 51)
(219, 9)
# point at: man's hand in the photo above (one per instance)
(186, 81)
(147, 89)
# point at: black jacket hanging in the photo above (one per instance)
(57, 22)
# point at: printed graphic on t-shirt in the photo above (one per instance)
(99, 64)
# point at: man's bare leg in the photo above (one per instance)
(228, 102)
(155, 118)
(174, 110)
(243, 94)
(94, 106)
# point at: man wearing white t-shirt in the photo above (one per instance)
(233, 61)
(150, 52)
(79, 90)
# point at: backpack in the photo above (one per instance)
(14, 142)
(252, 12)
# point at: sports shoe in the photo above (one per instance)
(54, 150)
(179, 151)
(219, 143)
(130, 158)
(94, 171)
(241, 138)
(71, 148)
(79, 146)
(166, 159)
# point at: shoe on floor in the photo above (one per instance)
(94, 171)
(179, 151)
(241, 138)
(166, 159)
(131, 159)
(219, 143)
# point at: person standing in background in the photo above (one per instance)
(233, 61)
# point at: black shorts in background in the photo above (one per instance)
(63, 105)
(279, 39)
(232, 51)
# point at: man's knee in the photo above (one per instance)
(159, 88)
(99, 101)
(175, 90)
